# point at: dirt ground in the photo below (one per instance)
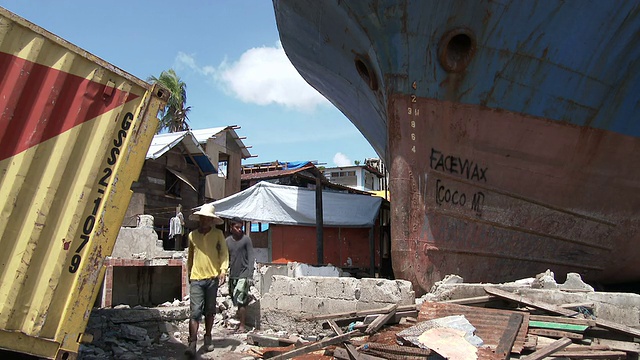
(226, 346)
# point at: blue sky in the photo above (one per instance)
(228, 53)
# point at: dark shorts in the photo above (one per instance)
(202, 295)
(239, 291)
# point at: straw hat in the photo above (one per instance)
(207, 210)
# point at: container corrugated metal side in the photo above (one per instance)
(74, 132)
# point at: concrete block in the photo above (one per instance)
(289, 303)
(299, 270)
(303, 286)
(268, 302)
(331, 288)
(379, 290)
(406, 292)
(265, 275)
(280, 285)
(351, 288)
(365, 305)
(314, 305)
(624, 316)
(574, 282)
(338, 305)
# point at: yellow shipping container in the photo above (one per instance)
(74, 131)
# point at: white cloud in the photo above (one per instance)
(265, 76)
(261, 76)
(340, 159)
(189, 62)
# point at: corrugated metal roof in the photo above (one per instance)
(203, 134)
(164, 142)
(489, 323)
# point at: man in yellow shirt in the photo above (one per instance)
(207, 263)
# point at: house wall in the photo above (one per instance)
(291, 243)
(136, 207)
(221, 147)
(215, 183)
(362, 180)
(151, 184)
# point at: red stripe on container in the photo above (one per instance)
(39, 103)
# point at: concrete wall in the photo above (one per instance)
(141, 243)
(291, 300)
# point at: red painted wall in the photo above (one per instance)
(298, 243)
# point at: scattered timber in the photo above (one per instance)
(506, 333)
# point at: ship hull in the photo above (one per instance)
(485, 195)
(510, 145)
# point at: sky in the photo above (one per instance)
(228, 53)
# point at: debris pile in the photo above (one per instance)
(504, 322)
(530, 318)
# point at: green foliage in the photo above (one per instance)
(174, 115)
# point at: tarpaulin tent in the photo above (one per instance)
(291, 205)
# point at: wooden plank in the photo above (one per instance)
(471, 300)
(562, 319)
(404, 314)
(618, 327)
(557, 326)
(361, 313)
(394, 351)
(558, 310)
(316, 346)
(544, 341)
(601, 354)
(268, 341)
(524, 300)
(342, 354)
(548, 350)
(619, 345)
(509, 336)
(587, 305)
(353, 353)
(556, 333)
(379, 321)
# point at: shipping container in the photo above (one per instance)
(74, 132)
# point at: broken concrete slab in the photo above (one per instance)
(574, 283)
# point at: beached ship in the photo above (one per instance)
(510, 128)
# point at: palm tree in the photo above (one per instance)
(174, 115)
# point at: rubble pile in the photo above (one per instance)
(530, 318)
(160, 332)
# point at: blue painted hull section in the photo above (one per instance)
(574, 61)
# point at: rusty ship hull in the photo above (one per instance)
(510, 128)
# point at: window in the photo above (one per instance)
(222, 168)
(343, 173)
(172, 185)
